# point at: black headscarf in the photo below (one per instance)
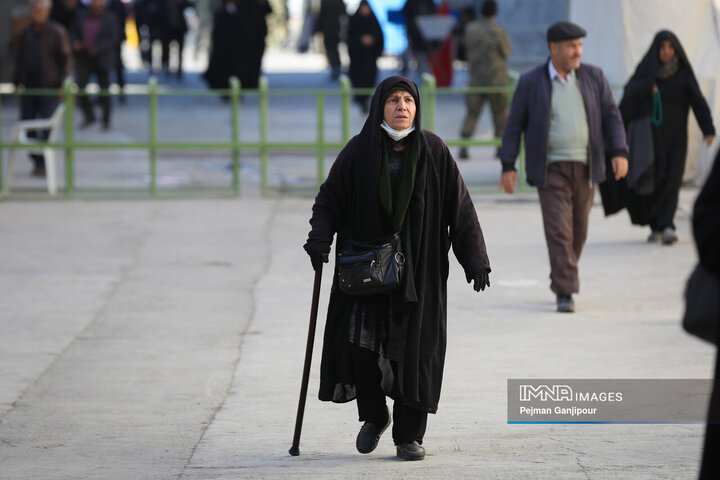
(374, 145)
(637, 95)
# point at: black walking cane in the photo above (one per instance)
(295, 449)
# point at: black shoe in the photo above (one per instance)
(38, 171)
(369, 436)
(410, 451)
(464, 153)
(565, 304)
(655, 237)
(86, 123)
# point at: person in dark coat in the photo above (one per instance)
(64, 12)
(394, 177)
(365, 45)
(121, 14)
(226, 38)
(418, 47)
(172, 28)
(565, 114)
(94, 36)
(42, 60)
(665, 71)
(329, 24)
(706, 229)
(254, 29)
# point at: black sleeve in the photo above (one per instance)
(467, 239)
(706, 220)
(700, 107)
(331, 202)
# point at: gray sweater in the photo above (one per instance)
(530, 115)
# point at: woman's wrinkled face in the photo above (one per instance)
(667, 51)
(399, 110)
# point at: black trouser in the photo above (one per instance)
(179, 38)
(87, 66)
(710, 462)
(119, 67)
(670, 171)
(31, 108)
(331, 41)
(408, 423)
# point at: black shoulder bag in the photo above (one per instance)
(368, 268)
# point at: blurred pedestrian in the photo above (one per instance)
(94, 35)
(328, 22)
(146, 19)
(226, 39)
(664, 78)
(418, 47)
(566, 112)
(117, 7)
(365, 44)
(467, 15)
(43, 59)
(253, 15)
(706, 229)
(394, 180)
(172, 28)
(487, 48)
(64, 12)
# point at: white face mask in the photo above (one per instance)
(397, 134)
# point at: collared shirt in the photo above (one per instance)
(554, 73)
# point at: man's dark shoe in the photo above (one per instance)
(565, 304)
(464, 153)
(38, 171)
(410, 451)
(369, 436)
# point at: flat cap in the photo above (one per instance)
(564, 31)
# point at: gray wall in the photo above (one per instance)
(526, 22)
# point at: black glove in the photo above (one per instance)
(318, 254)
(481, 280)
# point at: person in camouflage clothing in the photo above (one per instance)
(487, 48)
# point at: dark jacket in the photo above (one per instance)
(530, 115)
(107, 38)
(706, 221)
(43, 58)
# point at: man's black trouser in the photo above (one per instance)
(408, 423)
(86, 66)
(34, 107)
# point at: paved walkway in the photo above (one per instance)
(164, 339)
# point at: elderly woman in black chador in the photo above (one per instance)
(662, 90)
(394, 177)
(365, 44)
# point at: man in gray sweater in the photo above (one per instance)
(565, 110)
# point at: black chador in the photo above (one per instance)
(403, 333)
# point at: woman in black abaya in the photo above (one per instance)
(394, 177)
(365, 44)
(225, 59)
(664, 71)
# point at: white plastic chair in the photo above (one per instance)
(19, 134)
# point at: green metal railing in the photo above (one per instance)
(234, 145)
